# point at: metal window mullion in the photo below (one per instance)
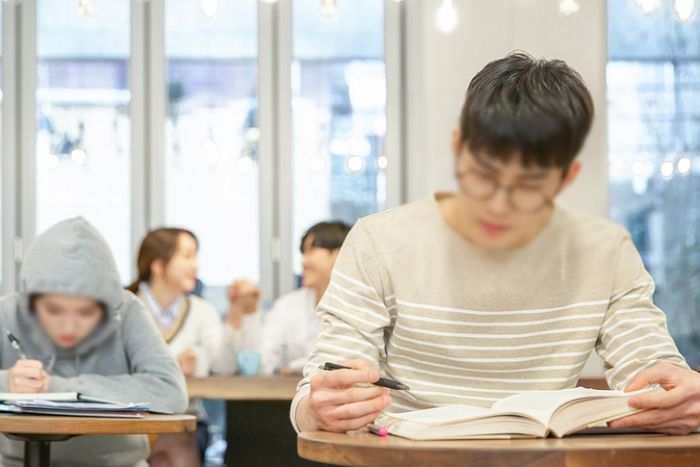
(25, 86)
(156, 96)
(137, 113)
(267, 147)
(285, 151)
(395, 127)
(9, 145)
(414, 159)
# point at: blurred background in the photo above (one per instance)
(249, 120)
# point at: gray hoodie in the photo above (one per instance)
(125, 358)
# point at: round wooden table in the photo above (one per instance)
(639, 450)
(38, 432)
(244, 388)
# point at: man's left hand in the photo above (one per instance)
(674, 411)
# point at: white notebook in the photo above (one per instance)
(44, 396)
(51, 396)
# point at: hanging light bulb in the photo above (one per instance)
(685, 10)
(210, 8)
(328, 8)
(355, 164)
(85, 8)
(667, 169)
(568, 7)
(647, 6)
(446, 18)
(683, 166)
(78, 157)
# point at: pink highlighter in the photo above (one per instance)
(379, 430)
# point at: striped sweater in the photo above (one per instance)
(464, 325)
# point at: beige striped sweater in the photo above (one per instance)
(462, 325)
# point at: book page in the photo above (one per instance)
(543, 404)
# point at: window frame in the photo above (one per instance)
(148, 115)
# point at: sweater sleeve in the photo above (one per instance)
(154, 376)
(353, 311)
(634, 335)
(274, 340)
(208, 341)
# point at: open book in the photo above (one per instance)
(529, 414)
(68, 404)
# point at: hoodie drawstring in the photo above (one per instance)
(51, 364)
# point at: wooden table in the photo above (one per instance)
(244, 388)
(364, 449)
(258, 430)
(593, 383)
(38, 432)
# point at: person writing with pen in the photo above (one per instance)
(72, 328)
(472, 296)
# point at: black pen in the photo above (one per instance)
(14, 342)
(383, 382)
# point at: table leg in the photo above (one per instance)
(37, 454)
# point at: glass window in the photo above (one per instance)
(653, 78)
(211, 169)
(339, 112)
(83, 136)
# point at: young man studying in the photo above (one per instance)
(474, 296)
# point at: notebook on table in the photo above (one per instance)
(532, 414)
(69, 404)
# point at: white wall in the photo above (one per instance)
(440, 67)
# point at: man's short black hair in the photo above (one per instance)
(329, 235)
(538, 110)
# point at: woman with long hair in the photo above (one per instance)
(191, 326)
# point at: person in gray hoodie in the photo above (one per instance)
(81, 331)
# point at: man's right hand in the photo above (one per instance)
(28, 376)
(336, 402)
(243, 297)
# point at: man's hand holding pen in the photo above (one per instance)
(343, 399)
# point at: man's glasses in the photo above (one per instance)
(520, 198)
